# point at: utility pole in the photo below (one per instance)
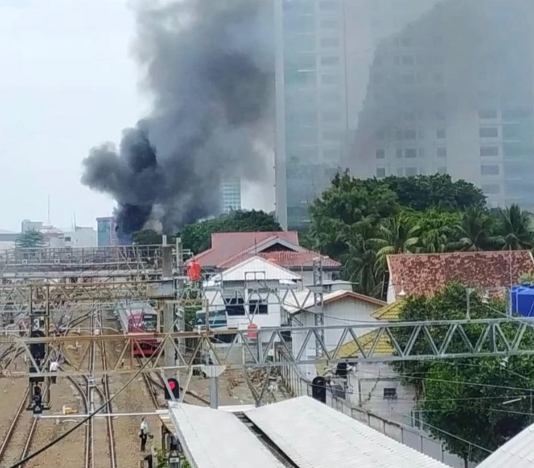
(168, 312)
(213, 373)
(318, 302)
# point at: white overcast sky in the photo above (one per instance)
(67, 83)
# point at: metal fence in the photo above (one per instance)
(410, 436)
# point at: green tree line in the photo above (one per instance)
(361, 222)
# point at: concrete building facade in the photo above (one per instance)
(447, 96)
(106, 231)
(231, 195)
(311, 117)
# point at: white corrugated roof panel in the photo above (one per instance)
(516, 453)
(217, 439)
(313, 435)
(258, 269)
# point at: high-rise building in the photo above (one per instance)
(453, 92)
(311, 117)
(106, 231)
(231, 194)
(324, 52)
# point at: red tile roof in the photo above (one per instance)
(231, 248)
(285, 259)
(428, 273)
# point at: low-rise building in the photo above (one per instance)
(281, 247)
(425, 274)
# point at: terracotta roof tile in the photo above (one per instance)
(225, 245)
(428, 273)
(285, 259)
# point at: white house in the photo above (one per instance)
(252, 293)
(340, 307)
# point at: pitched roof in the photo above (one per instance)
(389, 312)
(286, 259)
(231, 248)
(258, 269)
(304, 299)
(428, 273)
(225, 245)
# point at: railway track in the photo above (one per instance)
(19, 434)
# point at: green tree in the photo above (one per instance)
(514, 229)
(423, 192)
(197, 236)
(395, 235)
(463, 398)
(147, 237)
(475, 232)
(30, 240)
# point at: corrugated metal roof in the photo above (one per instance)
(258, 269)
(217, 439)
(313, 435)
(516, 453)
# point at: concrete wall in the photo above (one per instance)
(367, 389)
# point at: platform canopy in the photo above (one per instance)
(516, 453)
(218, 439)
(314, 435)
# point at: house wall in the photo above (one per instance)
(271, 319)
(343, 312)
(390, 298)
(307, 276)
(366, 388)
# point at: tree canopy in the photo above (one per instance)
(147, 237)
(465, 398)
(31, 239)
(197, 236)
(360, 222)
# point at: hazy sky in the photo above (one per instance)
(67, 83)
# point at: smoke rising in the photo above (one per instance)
(209, 68)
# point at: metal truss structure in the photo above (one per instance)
(273, 345)
(144, 261)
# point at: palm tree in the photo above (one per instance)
(397, 235)
(514, 229)
(474, 233)
(359, 261)
(434, 241)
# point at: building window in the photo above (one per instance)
(441, 152)
(328, 5)
(398, 153)
(331, 116)
(330, 79)
(400, 171)
(234, 306)
(381, 172)
(489, 169)
(410, 153)
(329, 61)
(331, 135)
(487, 114)
(330, 24)
(488, 132)
(442, 170)
(411, 171)
(256, 306)
(421, 152)
(441, 133)
(409, 134)
(380, 154)
(491, 189)
(390, 393)
(407, 60)
(489, 151)
(330, 42)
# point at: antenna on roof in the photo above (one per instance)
(402, 294)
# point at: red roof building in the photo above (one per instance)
(425, 274)
(231, 248)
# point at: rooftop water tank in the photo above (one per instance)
(522, 300)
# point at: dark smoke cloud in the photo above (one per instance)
(209, 68)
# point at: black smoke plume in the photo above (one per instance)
(209, 66)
